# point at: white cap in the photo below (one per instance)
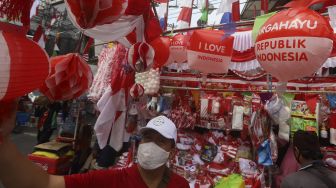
(162, 125)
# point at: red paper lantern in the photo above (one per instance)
(178, 49)
(208, 52)
(141, 56)
(24, 65)
(70, 77)
(90, 13)
(294, 43)
(137, 90)
(161, 48)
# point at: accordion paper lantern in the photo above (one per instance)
(141, 56)
(90, 13)
(137, 90)
(70, 77)
(24, 65)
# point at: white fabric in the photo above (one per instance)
(245, 66)
(186, 3)
(164, 126)
(332, 16)
(243, 41)
(182, 24)
(34, 8)
(108, 105)
(330, 63)
(237, 118)
(114, 31)
(225, 6)
(4, 66)
(162, 10)
(333, 136)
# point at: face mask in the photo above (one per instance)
(151, 156)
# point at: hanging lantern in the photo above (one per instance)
(24, 65)
(208, 52)
(141, 56)
(70, 77)
(161, 48)
(137, 91)
(90, 13)
(294, 43)
(178, 49)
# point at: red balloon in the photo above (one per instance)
(24, 65)
(161, 48)
(294, 43)
(208, 52)
(178, 49)
(90, 13)
(70, 77)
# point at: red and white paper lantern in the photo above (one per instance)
(208, 52)
(90, 13)
(137, 91)
(294, 43)
(24, 65)
(141, 56)
(70, 77)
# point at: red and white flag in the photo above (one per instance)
(184, 19)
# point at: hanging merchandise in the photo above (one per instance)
(137, 91)
(16, 10)
(101, 80)
(304, 30)
(150, 81)
(178, 51)
(161, 48)
(208, 53)
(70, 77)
(24, 64)
(88, 14)
(243, 61)
(232, 181)
(141, 56)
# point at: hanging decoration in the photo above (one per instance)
(141, 56)
(294, 43)
(208, 53)
(137, 91)
(88, 14)
(161, 48)
(178, 49)
(16, 10)
(70, 77)
(24, 65)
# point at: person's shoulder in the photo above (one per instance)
(293, 180)
(179, 181)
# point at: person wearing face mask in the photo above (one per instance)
(313, 173)
(158, 141)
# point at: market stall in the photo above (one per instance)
(236, 92)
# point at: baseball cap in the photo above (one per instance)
(162, 125)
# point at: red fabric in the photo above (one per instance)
(185, 14)
(38, 33)
(308, 3)
(236, 11)
(114, 178)
(264, 6)
(245, 56)
(332, 120)
(153, 29)
(137, 7)
(311, 101)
